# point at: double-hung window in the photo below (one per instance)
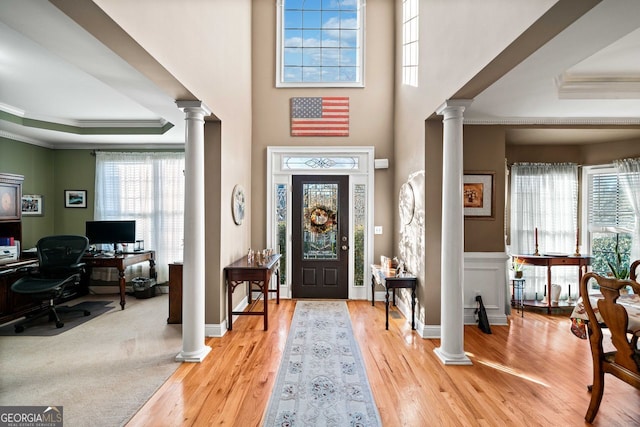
(609, 217)
(320, 43)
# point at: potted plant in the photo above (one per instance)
(517, 266)
(619, 270)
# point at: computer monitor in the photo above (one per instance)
(111, 232)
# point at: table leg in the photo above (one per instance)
(373, 291)
(265, 291)
(413, 308)
(386, 307)
(229, 307)
(278, 286)
(549, 289)
(123, 285)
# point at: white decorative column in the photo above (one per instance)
(451, 350)
(193, 264)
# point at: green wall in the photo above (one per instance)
(75, 170)
(37, 166)
(49, 172)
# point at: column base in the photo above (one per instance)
(193, 356)
(452, 359)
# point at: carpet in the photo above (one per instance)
(100, 372)
(43, 327)
(321, 379)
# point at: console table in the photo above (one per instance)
(388, 279)
(121, 262)
(548, 261)
(253, 273)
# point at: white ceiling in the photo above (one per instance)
(53, 71)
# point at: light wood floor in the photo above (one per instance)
(534, 372)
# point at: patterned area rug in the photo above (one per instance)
(321, 380)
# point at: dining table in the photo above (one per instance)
(579, 318)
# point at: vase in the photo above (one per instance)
(555, 293)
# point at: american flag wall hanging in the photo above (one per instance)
(320, 116)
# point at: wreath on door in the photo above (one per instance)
(321, 219)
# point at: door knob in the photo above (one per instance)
(345, 247)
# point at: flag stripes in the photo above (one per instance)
(320, 116)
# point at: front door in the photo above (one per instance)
(320, 237)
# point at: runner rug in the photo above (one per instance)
(321, 380)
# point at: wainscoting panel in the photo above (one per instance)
(485, 274)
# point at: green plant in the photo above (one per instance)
(619, 270)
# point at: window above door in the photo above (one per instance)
(320, 43)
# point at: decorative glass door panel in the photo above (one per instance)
(320, 236)
(320, 219)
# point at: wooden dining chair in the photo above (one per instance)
(624, 361)
(633, 268)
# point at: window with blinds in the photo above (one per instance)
(610, 219)
(609, 207)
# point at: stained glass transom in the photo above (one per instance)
(311, 163)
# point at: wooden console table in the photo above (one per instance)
(121, 262)
(388, 279)
(582, 262)
(241, 271)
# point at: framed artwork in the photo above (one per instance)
(238, 204)
(9, 201)
(478, 195)
(75, 198)
(32, 205)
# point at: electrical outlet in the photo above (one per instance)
(377, 229)
(477, 292)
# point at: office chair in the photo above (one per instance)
(58, 271)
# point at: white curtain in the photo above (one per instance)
(545, 197)
(629, 178)
(148, 188)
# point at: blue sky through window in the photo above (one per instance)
(321, 41)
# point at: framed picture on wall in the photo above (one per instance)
(32, 205)
(478, 195)
(75, 198)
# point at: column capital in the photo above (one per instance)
(186, 105)
(451, 105)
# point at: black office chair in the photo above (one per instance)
(57, 273)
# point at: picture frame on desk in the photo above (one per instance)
(75, 198)
(10, 201)
(32, 205)
(479, 194)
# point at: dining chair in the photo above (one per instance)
(624, 361)
(632, 269)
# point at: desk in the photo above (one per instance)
(121, 262)
(550, 261)
(388, 279)
(579, 316)
(241, 271)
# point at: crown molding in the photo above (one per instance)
(577, 86)
(555, 121)
(85, 127)
(26, 140)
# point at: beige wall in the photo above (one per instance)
(583, 154)
(457, 40)
(207, 47)
(371, 112)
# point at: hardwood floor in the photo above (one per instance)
(534, 372)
